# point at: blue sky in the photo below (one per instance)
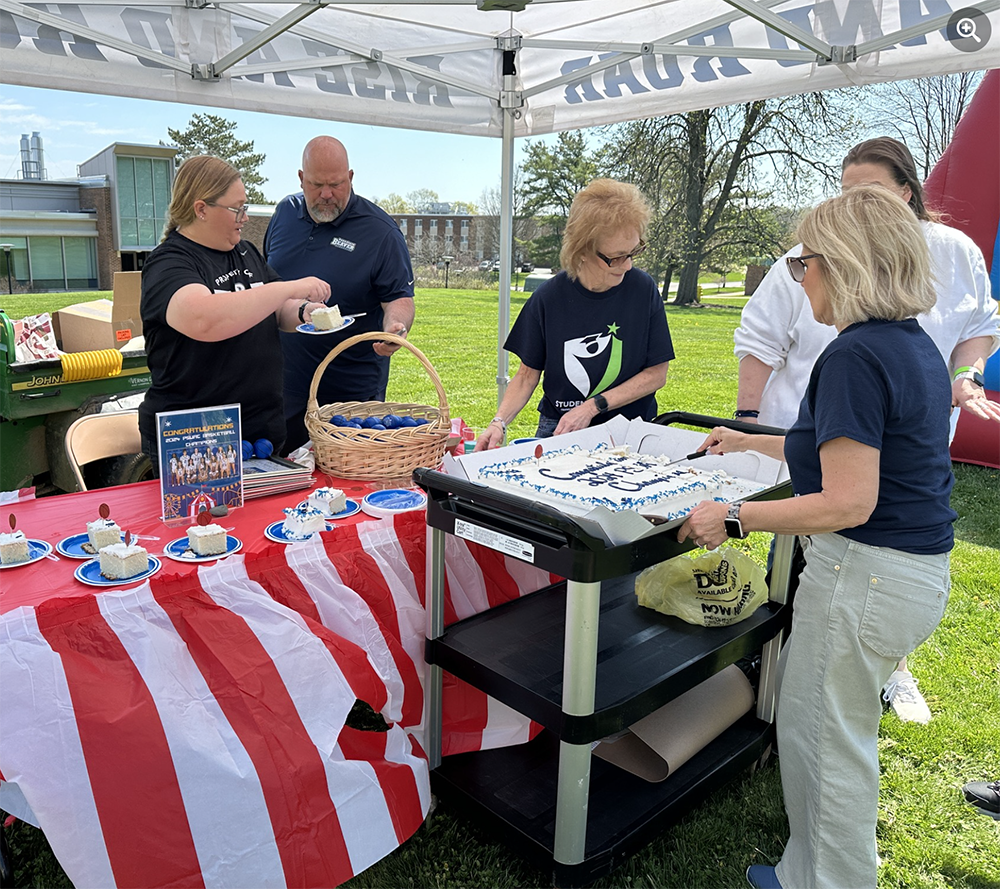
(76, 126)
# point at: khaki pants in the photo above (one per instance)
(857, 611)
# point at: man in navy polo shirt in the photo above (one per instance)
(356, 247)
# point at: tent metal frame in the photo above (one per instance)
(510, 100)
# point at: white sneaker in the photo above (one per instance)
(901, 693)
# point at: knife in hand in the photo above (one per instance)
(693, 456)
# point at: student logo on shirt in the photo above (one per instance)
(597, 355)
(343, 244)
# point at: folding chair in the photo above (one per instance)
(101, 435)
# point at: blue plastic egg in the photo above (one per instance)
(377, 427)
(421, 421)
(338, 420)
(408, 421)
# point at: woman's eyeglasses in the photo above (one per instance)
(797, 265)
(241, 212)
(612, 261)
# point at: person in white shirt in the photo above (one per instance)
(779, 340)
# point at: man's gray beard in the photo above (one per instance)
(324, 213)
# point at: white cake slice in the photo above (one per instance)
(13, 548)
(303, 521)
(328, 318)
(207, 540)
(121, 561)
(330, 501)
(103, 532)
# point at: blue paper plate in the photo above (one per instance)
(90, 573)
(308, 328)
(276, 532)
(393, 501)
(351, 507)
(37, 550)
(178, 550)
(72, 547)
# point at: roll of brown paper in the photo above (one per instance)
(662, 742)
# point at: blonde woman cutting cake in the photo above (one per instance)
(211, 309)
(869, 463)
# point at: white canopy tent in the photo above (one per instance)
(498, 68)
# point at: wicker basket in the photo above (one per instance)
(347, 452)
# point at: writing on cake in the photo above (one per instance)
(614, 478)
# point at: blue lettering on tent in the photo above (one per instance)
(799, 16)
(265, 53)
(910, 14)
(860, 22)
(140, 21)
(671, 76)
(728, 67)
(587, 92)
(621, 75)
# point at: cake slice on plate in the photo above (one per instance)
(13, 548)
(207, 540)
(328, 500)
(120, 561)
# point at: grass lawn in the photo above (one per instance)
(927, 836)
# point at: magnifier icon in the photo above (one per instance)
(967, 28)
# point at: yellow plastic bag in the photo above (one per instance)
(717, 589)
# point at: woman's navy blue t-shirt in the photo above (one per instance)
(885, 385)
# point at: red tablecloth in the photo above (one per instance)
(190, 730)
(137, 509)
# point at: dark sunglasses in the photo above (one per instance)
(612, 261)
(797, 265)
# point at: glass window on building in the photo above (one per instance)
(54, 263)
(17, 257)
(81, 263)
(46, 263)
(143, 185)
(418, 228)
(402, 226)
(434, 228)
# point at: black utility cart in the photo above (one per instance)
(584, 660)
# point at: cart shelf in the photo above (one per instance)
(584, 660)
(514, 652)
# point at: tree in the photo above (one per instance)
(422, 200)
(464, 208)
(524, 227)
(923, 113)
(211, 134)
(394, 203)
(708, 171)
(552, 177)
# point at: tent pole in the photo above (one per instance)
(506, 247)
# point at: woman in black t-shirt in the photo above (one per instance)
(596, 334)
(211, 309)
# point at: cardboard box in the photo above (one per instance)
(755, 471)
(102, 324)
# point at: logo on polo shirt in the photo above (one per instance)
(343, 244)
